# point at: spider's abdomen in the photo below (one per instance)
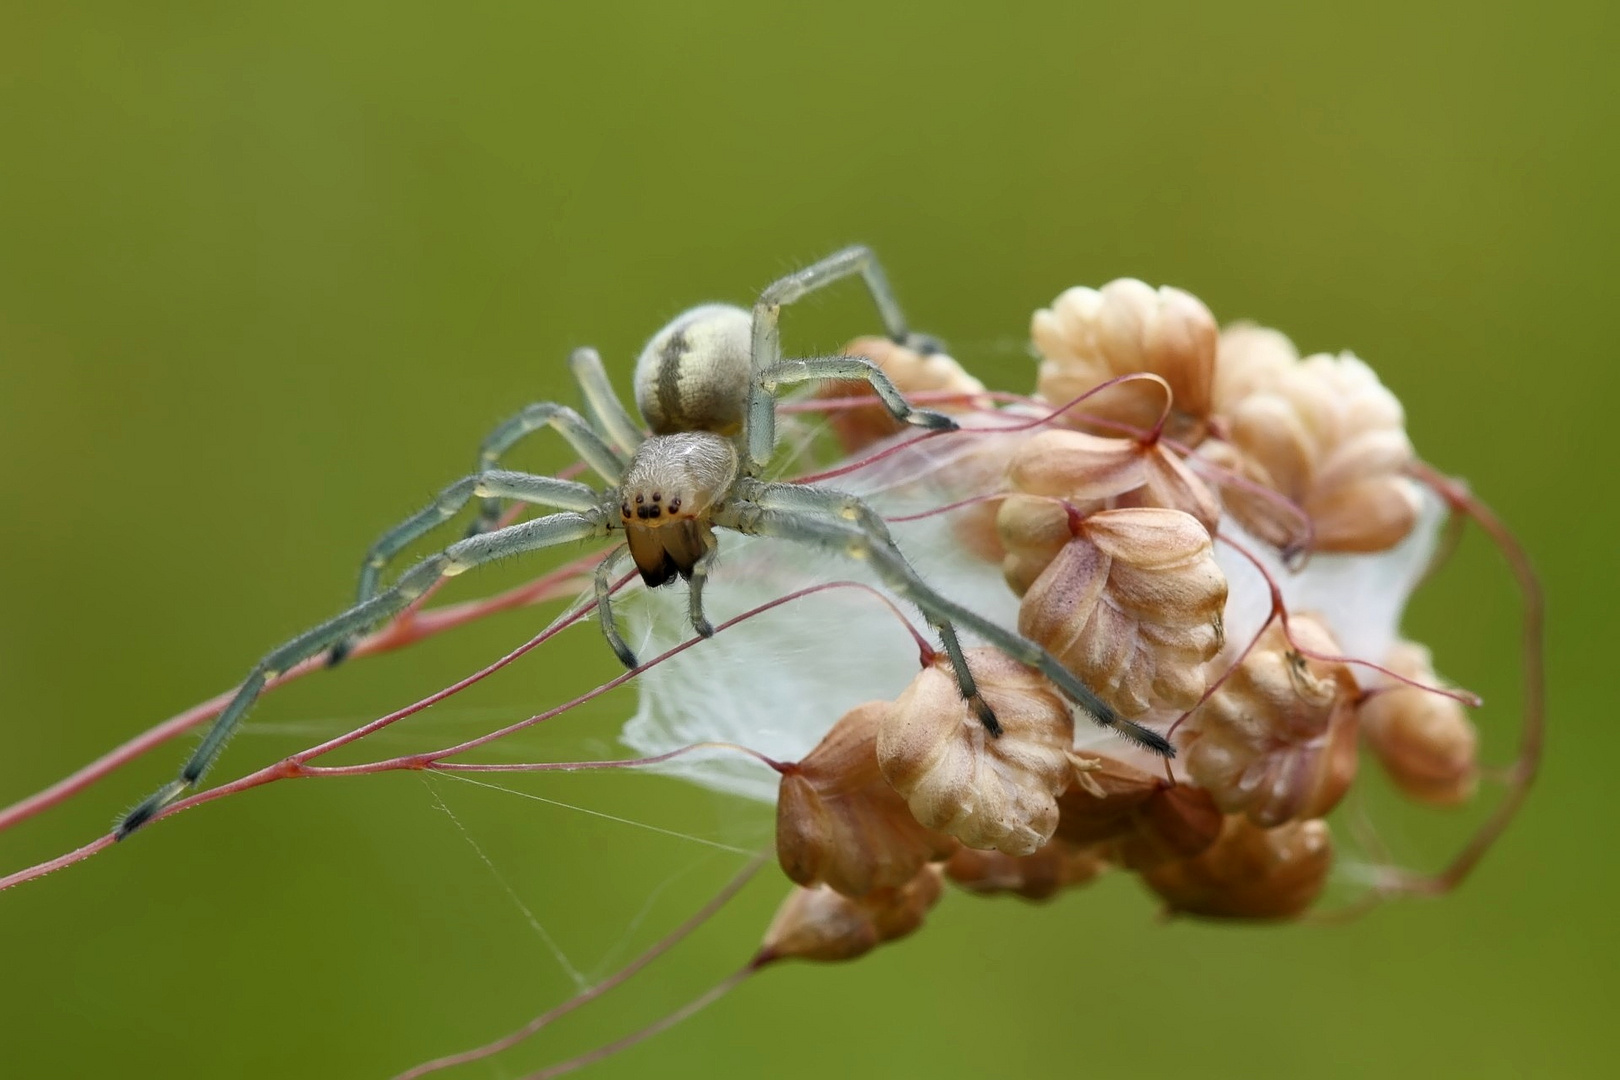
(693, 375)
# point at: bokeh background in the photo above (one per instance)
(268, 272)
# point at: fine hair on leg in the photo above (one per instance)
(458, 557)
(855, 542)
(767, 345)
(603, 459)
(547, 491)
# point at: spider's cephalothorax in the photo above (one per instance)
(666, 500)
(706, 385)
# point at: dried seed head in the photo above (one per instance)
(1277, 741)
(1089, 471)
(987, 792)
(1032, 530)
(1250, 872)
(1327, 435)
(1082, 468)
(1040, 876)
(1089, 336)
(839, 823)
(1133, 605)
(1142, 819)
(823, 924)
(911, 372)
(1249, 359)
(1425, 740)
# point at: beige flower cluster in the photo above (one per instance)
(1106, 522)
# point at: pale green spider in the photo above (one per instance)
(706, 385)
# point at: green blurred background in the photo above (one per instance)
(268, 272)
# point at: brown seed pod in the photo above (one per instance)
(1248, 359)
(1133, 605)
(839, 823)
(1032, 530)
(1142, 819)
(1089, 336)
(987, 792)
(1090, 471)
(1325, 434)
(911, 372)
(1277, 741)
(1039, 876)
(1250, 872)
(823, 924)
(1424, 740)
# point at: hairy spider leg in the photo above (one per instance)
(830, 504)
(695, 582)
(607, 462)
(545, 491)
(766, 357)
(463, 555)
(602, 404)
(858, 543)
(604, 606)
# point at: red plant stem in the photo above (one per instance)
(1523, 771)
(585, 997)
(423, 761)
(1278, 611)
(1020, 425)
(581, 766)
(295, 766)
(657, 1027)
(564, 581)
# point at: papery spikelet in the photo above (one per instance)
(1250, 872)
(1040, 876)
(1089, 471)
(1085, 469)
(1325, 434)
(912, 372)
(989, 792)
(1133, 605)
(839, 823)
(1425, 740)
(1277, 741)
(1032, 530)
(823, 924)
(1141, 819)
(1248, 359)
(1089, 336)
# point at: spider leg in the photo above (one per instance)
(602, 404)
(538, 490)
(695, 582)
(602, 458)
(767, 343)
(604, 607)
(807, 369)
(525, 536)
(885, 559)
(818, 501)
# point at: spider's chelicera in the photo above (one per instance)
(706, 386)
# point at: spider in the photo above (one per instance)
(706, 385)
